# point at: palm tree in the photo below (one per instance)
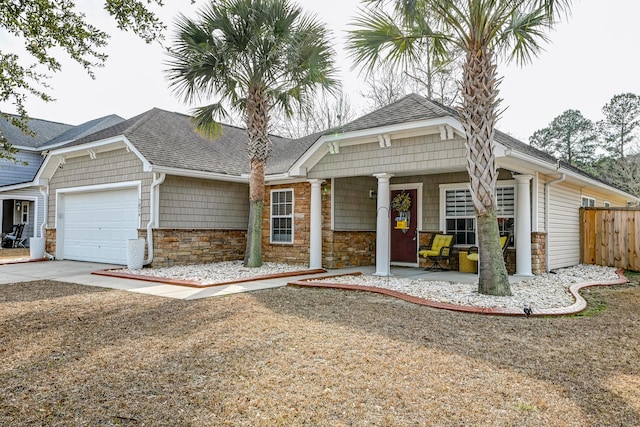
(253, 57)
(482, 29)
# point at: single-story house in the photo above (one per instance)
(328, 198)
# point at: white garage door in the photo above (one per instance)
(98, 224)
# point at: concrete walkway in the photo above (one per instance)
(80, 273)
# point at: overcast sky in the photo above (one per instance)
(593, 56)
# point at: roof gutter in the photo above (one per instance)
(558, 168)
(547, 196)
(198, 174)
(153, 214)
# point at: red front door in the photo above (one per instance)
(404, 228)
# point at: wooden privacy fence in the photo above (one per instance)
(610, 236)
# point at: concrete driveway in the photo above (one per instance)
(80, 273)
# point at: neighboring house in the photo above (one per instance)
(328, 195)
(22, 202)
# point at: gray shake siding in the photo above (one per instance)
(199, 203)
(405, 155)
(108, 168)
(354, 210)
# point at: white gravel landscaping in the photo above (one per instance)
(548, 290)
(542, 291)
(216, 272)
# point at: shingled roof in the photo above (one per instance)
(411, 108)
(170, 140)
(83, 129)
(44, 131)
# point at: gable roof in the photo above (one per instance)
(411, 108)
(170, 140)
(82, 130)
(44, 131)
(12, 173)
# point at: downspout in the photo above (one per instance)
(546, 211)
(44, 190)
(152, 215)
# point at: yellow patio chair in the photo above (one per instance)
(438, 250)
(504, 244)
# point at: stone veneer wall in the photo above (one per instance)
(538, 252)
(341, 249)
(298, 252)
(50, 241)
(195, 246)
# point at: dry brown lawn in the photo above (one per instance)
(75, 355)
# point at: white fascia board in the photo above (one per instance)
(319, 149)
(17, 186)
(25, 148)
(281, 179)
(551, 168)
(102, 145)
(113, 143)
(199, 174)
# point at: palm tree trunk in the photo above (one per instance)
(253, 252)
(479, 115)
(259, 147)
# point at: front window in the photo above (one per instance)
(587, 202)
(25, 213)
(460, 216)
(282, 216)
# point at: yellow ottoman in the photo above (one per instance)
(466, 265)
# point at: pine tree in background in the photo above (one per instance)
(570, 137)
(621, 119)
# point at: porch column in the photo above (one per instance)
(383, 242)
(523, 225)
(315, 230)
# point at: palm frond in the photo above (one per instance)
(380, 37)
(523, 35)
(207, 119)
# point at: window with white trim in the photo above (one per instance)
(460, 217)
(282, 216)
(606, 204)
(25, 213)
(587, 202)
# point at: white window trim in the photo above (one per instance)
(24, 211)
(606, 204)
(589, 200)
(467, 186)
(292, 216)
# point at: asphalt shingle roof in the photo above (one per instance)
(84, 129)
(411, 108)
(170, 140)
(44, 131)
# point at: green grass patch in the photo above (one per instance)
(527, 407)
(595, 303)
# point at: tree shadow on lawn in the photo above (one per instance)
(107, 358)
(42, 290)
(583, 355)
